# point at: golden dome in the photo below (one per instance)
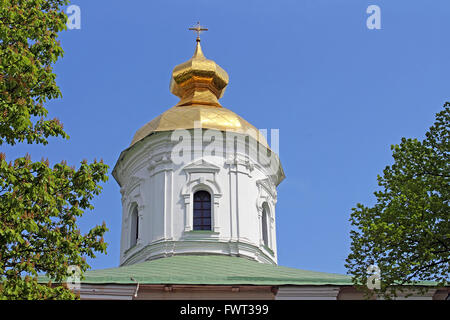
(209, 117)
(199, 82)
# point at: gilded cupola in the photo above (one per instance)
(199, 83)
(198, 80)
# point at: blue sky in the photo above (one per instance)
(339, 93)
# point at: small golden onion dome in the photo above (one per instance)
(199, 82)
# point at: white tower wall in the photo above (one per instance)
(162, 189)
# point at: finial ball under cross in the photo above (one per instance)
(198, 28)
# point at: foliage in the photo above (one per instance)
(407, 232)
(39, 204)
(28, 47)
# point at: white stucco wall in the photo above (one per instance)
(152, 178)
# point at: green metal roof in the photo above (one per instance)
(211, 269)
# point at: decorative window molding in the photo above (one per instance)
(265, 225)
(134, 225)
(159, 163)
(239, 163)
(266, 192)
(132, 198)
(129, 223)
(201, 175)
(202, 211)
(130, 187)
(265, 202)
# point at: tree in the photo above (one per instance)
(407, 232)
(39, 203)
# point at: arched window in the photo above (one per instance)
(264, 220)
(134, 234)
(202, 210)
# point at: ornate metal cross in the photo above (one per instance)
(198, 28)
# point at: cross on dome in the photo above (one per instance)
(198, 28)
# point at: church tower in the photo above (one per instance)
(198, 179)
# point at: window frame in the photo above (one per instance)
(202, 217)
(134, 226)
(265, 233)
